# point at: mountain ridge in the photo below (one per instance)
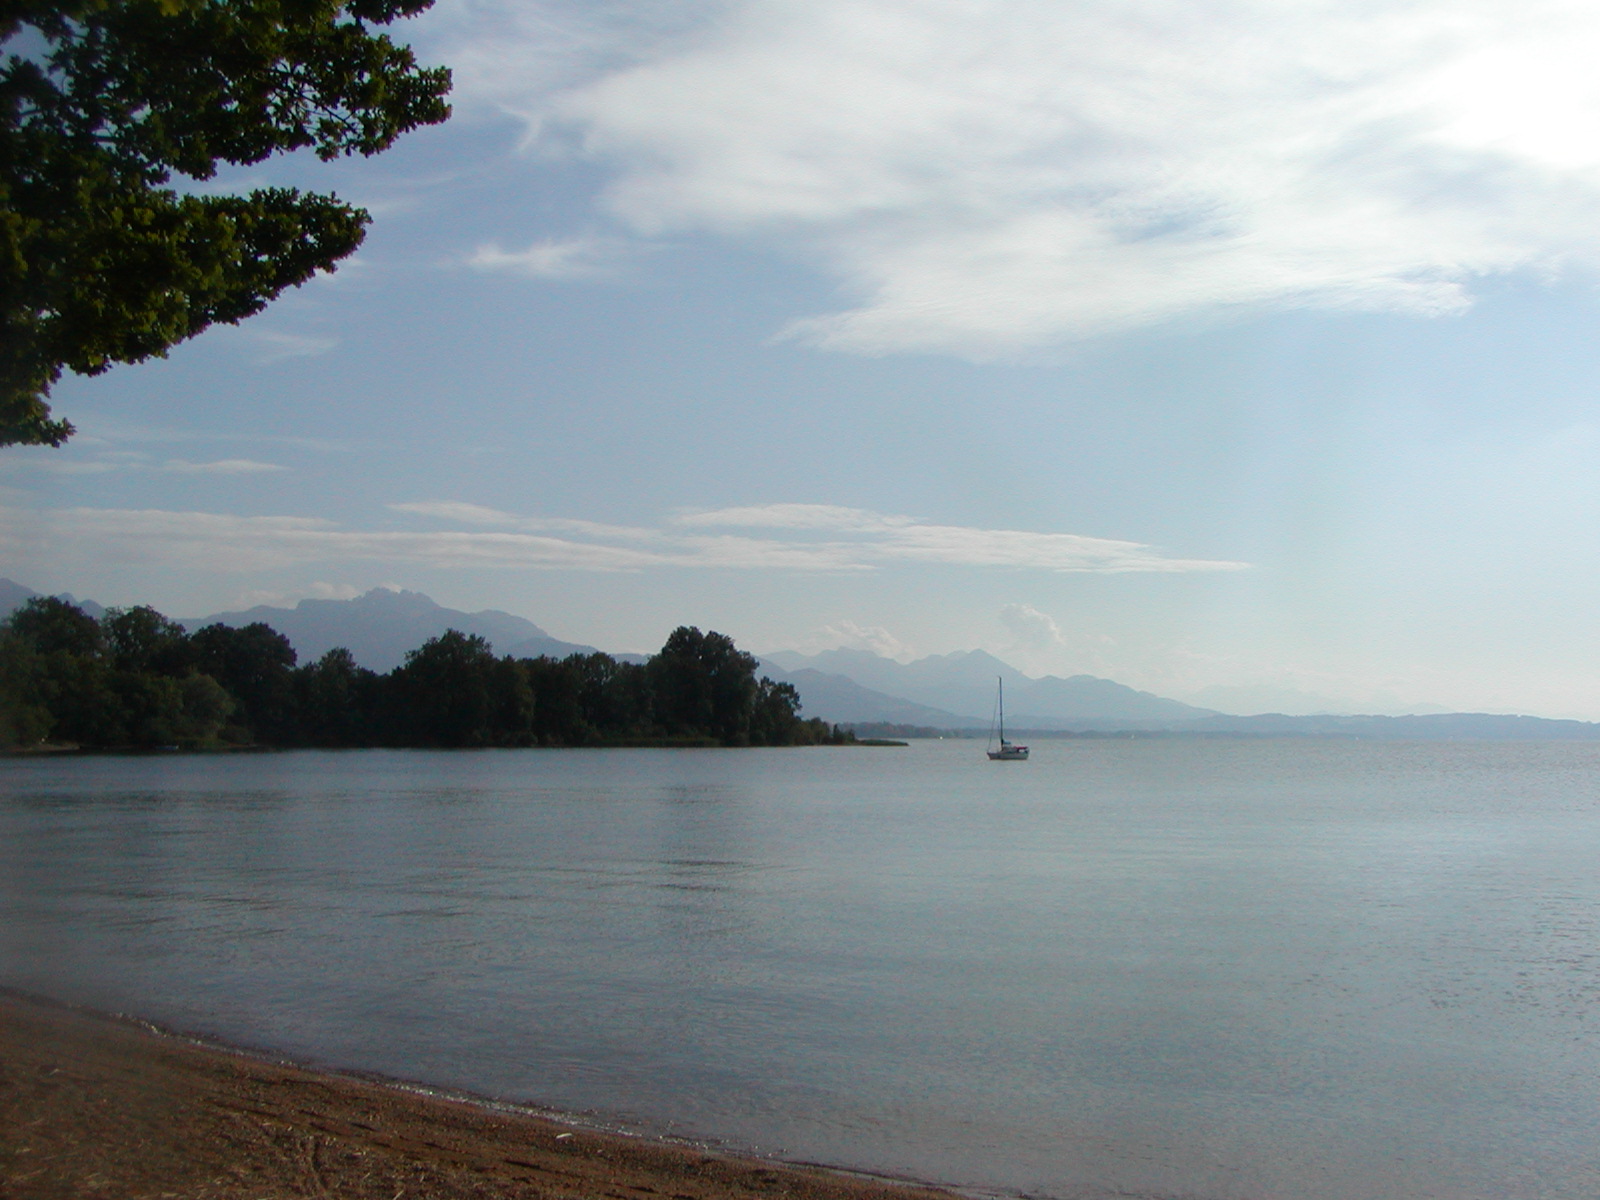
(962, 683)
(381, 626)
(14, 595)
(840, 700)
(952, 692)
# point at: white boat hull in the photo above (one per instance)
(1009, 754)
(1008, 751)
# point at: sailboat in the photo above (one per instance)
(1005, 751)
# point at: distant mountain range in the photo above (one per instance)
(1418, 727)
(842, 701)
(380, 627)
(958, 691)
(854, 687)
(1266, 698)
(13, 596)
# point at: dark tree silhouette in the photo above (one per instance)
(102, 102)
(255, 665)
(135, 679)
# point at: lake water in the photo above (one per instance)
(1166, 968)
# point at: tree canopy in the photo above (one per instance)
(135, 679)
(102, 102)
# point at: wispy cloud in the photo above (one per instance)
(569, 258)
(109, 430)
(105, 462)
(221, 466)
(876, 538)
(273, 346)
(1032, 628)
(796, 516)
(477, 514)
(983, 177)
(834, 539)
(512, 55)
(455, 510)
(317, 590)
(220, 541)
(71, 466)
(847, 633)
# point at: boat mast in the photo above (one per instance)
(1001, 681)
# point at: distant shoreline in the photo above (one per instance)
(622, 744)
(1432, 727)
(97, 1104)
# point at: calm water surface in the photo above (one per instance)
(1162, 968)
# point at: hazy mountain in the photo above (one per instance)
(840, 700)
(13, 596)
(942, 691)
(381, 626)
(1422, 728)
(1246, 699)
(963, 684)
(1085, 697)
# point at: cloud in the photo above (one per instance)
(453, 510)
(984, 177)
(873, 638)
(275, 347)
(797, 538)
(881, 538)
(312, 591)
(69, 466)
(103, 430)
(135, 460)
(221, 466)
(510, 56)
(795, 516)
(231, 543)
(477, 514)
(569, 258)
(1032, 628)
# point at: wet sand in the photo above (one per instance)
(100, 1108)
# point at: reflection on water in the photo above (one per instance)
(1208, 969)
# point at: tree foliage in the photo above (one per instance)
(141, 640)
(136, 679)
(102, 102)
(704, 681)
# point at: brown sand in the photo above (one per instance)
(97, 1108)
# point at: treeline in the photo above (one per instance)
(135, 679)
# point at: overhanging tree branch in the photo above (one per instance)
(100, 262)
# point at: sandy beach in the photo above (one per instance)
(94, 1107)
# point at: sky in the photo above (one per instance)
(1226, 348)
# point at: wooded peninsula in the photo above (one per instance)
(134, 679)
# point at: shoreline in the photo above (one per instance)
(96, 1105)
(76, 751)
